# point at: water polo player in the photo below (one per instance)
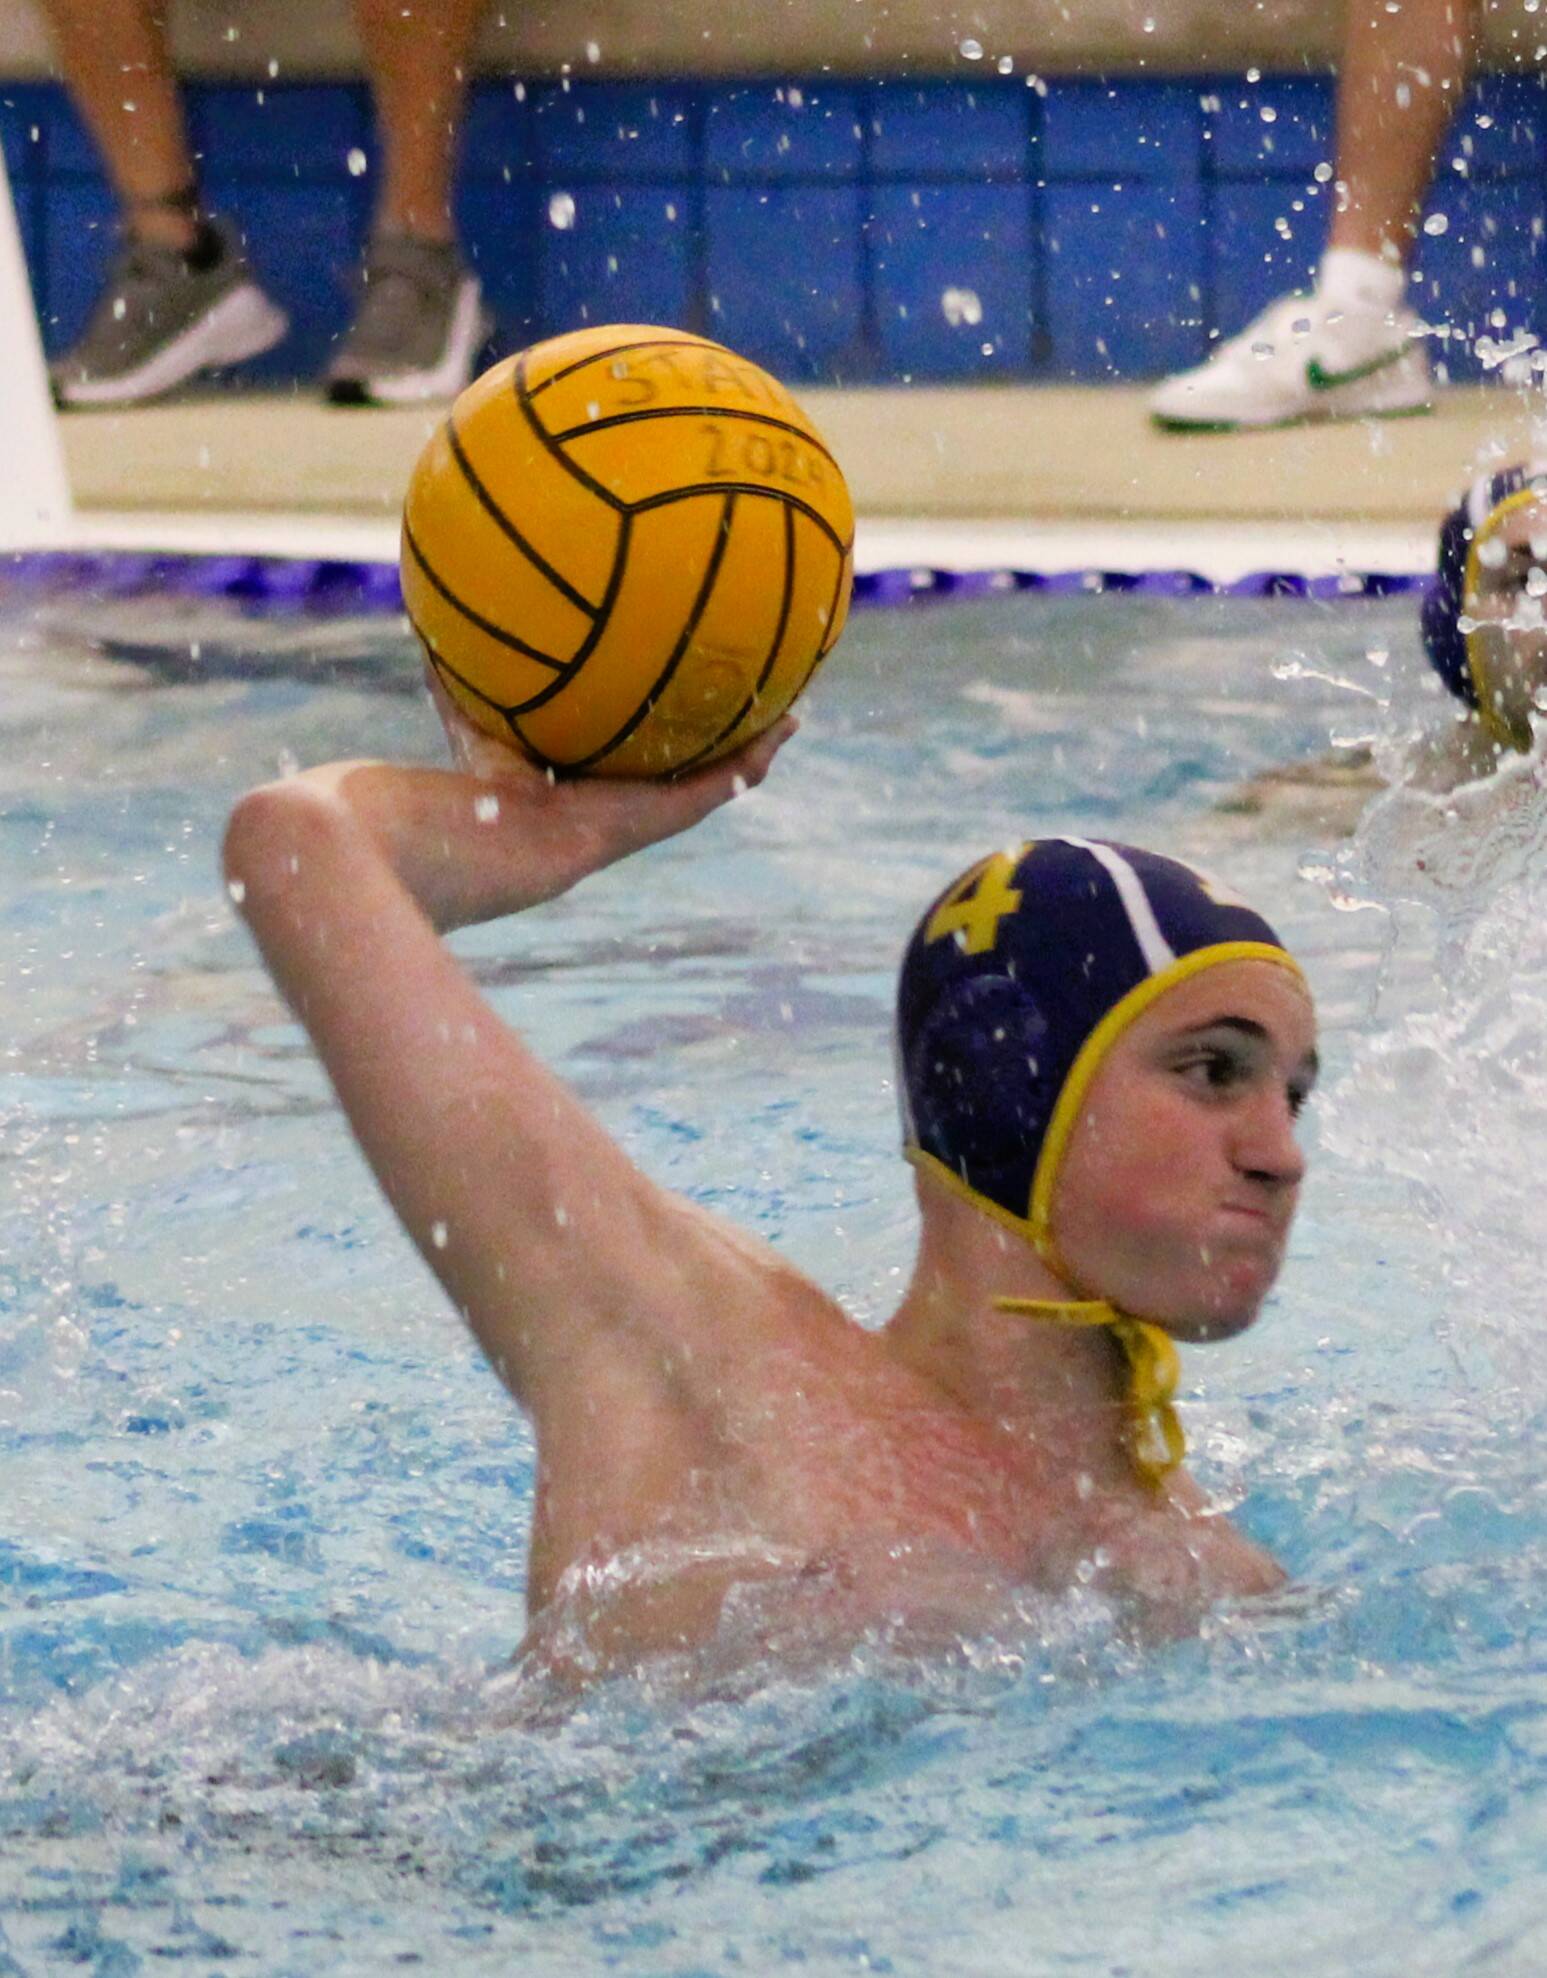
(1484, 627)
(1102, 1057)
(1484, 631)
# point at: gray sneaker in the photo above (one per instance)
(418, 328)
(161, 319)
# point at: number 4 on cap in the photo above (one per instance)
(976, 904)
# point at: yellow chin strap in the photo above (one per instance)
(1152, 1431)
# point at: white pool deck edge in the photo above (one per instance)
(1038, 478)
(1219, 552)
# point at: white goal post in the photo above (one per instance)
(35, 507)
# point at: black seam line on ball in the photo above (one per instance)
(443, 665)
(833, 627)
(506, 714)
(697, 412)
(700, 605)
(758, 489)
(548, 443)
(619, 349)
(592, 639)
(583, 652)
(786, 600)
(827, 644)
(497, 515)
(485, 625)
(614, 584)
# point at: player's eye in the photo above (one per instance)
(1212, 1068)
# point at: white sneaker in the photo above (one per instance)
(1302, 359)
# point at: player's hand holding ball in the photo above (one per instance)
(625, 552)
(586, 823)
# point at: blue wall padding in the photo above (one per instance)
(299, 132)
(1108, 130)
(1280, 127)
(1124, 276)
(784, 268)
(1503, 223)
(783, 131)
(617, 132)
(1505, 128)
(1090, 229)
(301, 244)
(1262, 247)
(934, 250)
(627, 258)
(497, 139)
(941, 130)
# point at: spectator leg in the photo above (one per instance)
(416, 56)
(116, 62)
(1402, 76)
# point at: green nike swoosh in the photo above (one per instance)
(1320, 380)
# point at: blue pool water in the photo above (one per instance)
(264, 1510)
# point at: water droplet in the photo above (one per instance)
(355, 159)
(972, 50)
(237, 889)
(486, 809)
(1437, 223)
(438, 1235)
(1322, 173)
(961, 306)
(1268, 114)
(561, 211)
(1005, 64)
(593, 53)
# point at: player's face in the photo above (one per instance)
(1182, 1173)
(1509, 605)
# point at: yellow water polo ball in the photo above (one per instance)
(626, 551)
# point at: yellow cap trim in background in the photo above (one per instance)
(1513, 734)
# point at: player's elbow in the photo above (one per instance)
(276, 833)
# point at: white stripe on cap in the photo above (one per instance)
(1153, 945)
(1479, 502)
(1478, 505)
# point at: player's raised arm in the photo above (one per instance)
(533, 1219)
